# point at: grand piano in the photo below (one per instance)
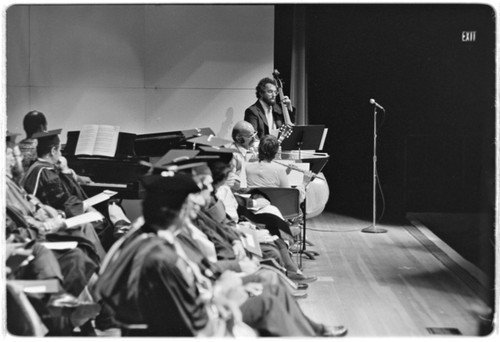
(122, 172)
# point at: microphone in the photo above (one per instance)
(372, 101)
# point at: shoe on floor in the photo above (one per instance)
(333, 331)
(84, 312)
(300, 278)
(299, 294)
(303, 286)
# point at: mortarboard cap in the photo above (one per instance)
(176, 160)
(210, 140)
(47, 134)
(170, 191)
(177, 157)
(46, 140)
(225, 154)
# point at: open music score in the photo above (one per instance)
(103, 196)
(99, 140)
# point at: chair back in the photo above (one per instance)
(22, 319)
(285, 199)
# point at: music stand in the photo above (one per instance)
(304, 138)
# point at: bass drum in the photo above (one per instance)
(317, 194)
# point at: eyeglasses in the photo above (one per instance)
(272, 92)
(251, 135)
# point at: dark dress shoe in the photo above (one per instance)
(84, 312)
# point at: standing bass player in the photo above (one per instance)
(265, 115)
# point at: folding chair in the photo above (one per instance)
(22, 319)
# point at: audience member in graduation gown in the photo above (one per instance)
(115, 223)
(28, 225)
(164, 289)
(220, 171)
(220, 229)
(36, 122)
(33, 122)
(36, 220)
(173, 293)
(43, 181)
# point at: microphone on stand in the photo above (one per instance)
(372, 101)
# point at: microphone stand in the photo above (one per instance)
(373, 228)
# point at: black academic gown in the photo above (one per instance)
(149, 283)
(43, 181)
(75, 266)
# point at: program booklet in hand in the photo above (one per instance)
(76, 221)
(99, 140)
(103, 196)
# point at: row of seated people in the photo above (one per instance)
(187, 273)
(211, 243)
(40, 195)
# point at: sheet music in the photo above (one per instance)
(106, 141)
(249, 240)
(86, 140)
(323, 138)
(103, 196)
(78, 220)
(98, 140)
(295, 177)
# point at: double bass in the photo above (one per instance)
(317, 191)
(284, 109)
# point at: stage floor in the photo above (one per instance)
(405, 282)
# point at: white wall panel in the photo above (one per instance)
(71, 108)
(17, 52)
(91, 45)
(18, 107)
(208, 46)
(178, 109)
(147, 68)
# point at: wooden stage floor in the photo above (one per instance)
(401, 283)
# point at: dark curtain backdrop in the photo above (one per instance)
(436, 143)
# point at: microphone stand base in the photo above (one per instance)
(373, 229)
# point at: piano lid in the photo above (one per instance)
(158, 144)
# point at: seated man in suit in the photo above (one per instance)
(266, 115)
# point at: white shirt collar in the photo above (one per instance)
(266, 107)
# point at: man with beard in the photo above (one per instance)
(266, 115)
